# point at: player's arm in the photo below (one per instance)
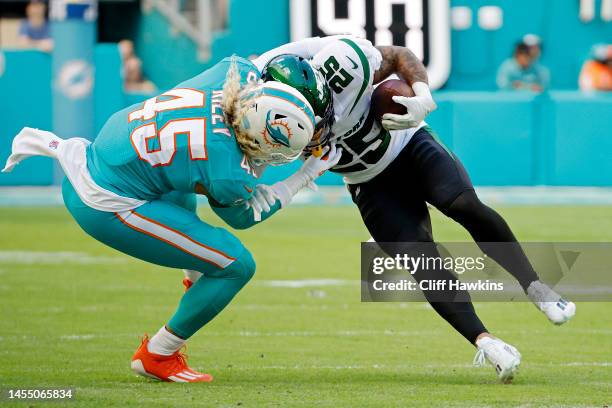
(504, 77)
(238, 214)
(244, 216)
(266, 200)
(403, 62)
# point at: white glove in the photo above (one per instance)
(312, 168)
(262, 200)
(312, 186)
(264, 197)
(418, 107)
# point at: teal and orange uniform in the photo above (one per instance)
(173, 142)
(159, 151)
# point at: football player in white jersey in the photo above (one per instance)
(394, 168)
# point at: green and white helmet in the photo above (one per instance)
(297, 72)
(280, 120)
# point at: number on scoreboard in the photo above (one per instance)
(421, 25)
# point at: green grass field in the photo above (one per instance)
(73, 311)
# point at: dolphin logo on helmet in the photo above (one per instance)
(280, 120)
(276, 133)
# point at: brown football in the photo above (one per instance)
(382, 101)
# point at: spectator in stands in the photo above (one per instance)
(596, 74)
(521, 73)
(126, 49)
(34, 30)
(220, 9)
(133, 79)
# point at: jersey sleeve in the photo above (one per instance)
(372, 53)
(349, 64)
(229, 199)
(231, 192)
(241, 217)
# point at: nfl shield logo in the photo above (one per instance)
(53, 144)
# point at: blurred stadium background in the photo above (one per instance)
(73, 310)
(110, 54)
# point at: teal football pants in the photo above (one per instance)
(167, 234)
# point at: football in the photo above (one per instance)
(382, 98)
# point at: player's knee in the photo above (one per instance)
(243, 268)
(466, 205)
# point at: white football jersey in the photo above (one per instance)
(348, 64)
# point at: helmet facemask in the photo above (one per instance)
(325, 116)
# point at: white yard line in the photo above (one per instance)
(395, 366)
(298, 333)
(306, 283)
(55, 257)
(337, 195)
(78, 337)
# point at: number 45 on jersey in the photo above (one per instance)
(158, 146)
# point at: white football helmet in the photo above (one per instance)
(280, 120)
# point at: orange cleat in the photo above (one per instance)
(172, 368)
(187, 284)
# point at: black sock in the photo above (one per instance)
(462, 316)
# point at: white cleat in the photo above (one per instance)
(549, 302)
(504, 357)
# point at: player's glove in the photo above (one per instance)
(262, 200)
(265, 197)
(315, 166)
(312, 168)
(418, 107)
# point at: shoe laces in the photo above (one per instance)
(145, 338)
(180, 363)
(479, 358)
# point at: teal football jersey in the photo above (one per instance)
(174, 141)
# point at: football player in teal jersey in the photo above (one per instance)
(132, 188)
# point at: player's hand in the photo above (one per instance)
(262, 200)
(312, 186)
(314, 166)
(417, 107)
